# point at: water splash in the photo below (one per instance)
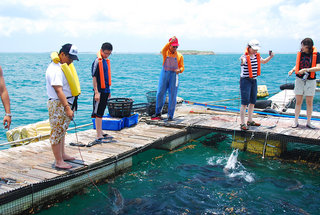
(231, 166)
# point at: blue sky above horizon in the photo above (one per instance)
(146, 25)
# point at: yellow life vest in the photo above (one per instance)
(70, 73)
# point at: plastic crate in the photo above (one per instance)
(110, 123)
(131, 120)
(120, 107)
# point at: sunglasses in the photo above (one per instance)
(175, 47)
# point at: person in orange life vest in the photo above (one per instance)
(250, 69)
(59, 104)
(101, 79)
(307, 63)
(169, 79)
(5, 101)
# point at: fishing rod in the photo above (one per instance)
(237, 110)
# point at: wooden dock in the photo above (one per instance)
(29, 178)
(278, 128)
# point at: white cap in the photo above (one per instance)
(254, 44)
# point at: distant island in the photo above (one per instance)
(195, 52)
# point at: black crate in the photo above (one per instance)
(120, 107)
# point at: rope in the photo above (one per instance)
(75, 128)
(237, 110)
(265, 144)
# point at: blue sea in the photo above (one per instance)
(188, 181)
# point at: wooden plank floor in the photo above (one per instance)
(193, 116)
(34, 162)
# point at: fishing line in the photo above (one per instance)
(75, 129)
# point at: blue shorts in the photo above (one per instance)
(248, 90)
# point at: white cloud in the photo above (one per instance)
(192, 19)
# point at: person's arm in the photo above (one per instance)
(5, 101)
(95, 89)
(264, 61)
(292, 70)
(63, 101)
(313, 69)
(181, 66)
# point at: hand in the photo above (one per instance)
(69, 112)
(109, 96)
(302, 71)
(271, 54)
(97, 97)
(177, 71)
(290, 72)
(7, 122)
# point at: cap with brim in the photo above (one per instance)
(175, 43)
(254, 44)
(71, 50)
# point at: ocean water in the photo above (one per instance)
(198, 179)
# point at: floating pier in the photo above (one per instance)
(29, 179)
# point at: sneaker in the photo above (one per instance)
(156, 117)
(310, 126)
(170, 119)
(243, 127)
(253, 123)
(295, 125)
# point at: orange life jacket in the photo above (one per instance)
(101, 72)
(249, 63)
(314, 61)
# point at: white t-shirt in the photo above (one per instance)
(56, 77)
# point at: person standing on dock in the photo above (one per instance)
(307, 64)
(101, 79)
(59, 104)
(5, 101)
(250, 70)
(169, 78)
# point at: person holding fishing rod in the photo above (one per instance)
(307, 64)
(250, 70)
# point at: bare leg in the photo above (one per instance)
(250, 112)
(64, 155)
(309, 101)
(299, 100)
(99, 127)
(56, 149)
(243, 113)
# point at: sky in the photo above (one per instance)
(144, 26)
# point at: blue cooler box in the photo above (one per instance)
(131, 120)
(109, 123)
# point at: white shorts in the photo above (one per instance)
(306, 88)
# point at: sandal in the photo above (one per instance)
(243, 127)
(253, 123)
(107, 136)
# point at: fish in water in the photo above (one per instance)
(117, 201)
(214, 139)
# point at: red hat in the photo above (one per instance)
(175, 43)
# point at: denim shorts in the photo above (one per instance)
(248, 90)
